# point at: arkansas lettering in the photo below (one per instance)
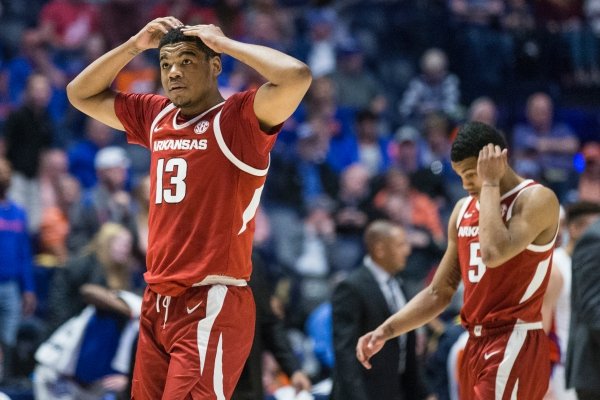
(180, 144)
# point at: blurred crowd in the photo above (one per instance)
(392, 82)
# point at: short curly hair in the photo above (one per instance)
(472, 137)
(176, 35)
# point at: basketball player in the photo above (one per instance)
(209, 158)
(500, 241)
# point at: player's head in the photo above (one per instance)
(176, 35)
(387, 245)
(188, 70)
(471, 138)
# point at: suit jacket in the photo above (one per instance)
(583, 350)
(359, 306)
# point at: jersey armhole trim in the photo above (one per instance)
(462, 211)
(230, 156)
(157, 119)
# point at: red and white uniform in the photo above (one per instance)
(207, 174)
(506, 356)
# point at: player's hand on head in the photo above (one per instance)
(150, 35)
(300, 381)
(368, 345)
(209, 34)
(492, 163)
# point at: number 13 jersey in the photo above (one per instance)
(511, 292)
(207, 174)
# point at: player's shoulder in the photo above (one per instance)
(538, 197)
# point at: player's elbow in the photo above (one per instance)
(74, 95)
(491, 258)
(300, 74)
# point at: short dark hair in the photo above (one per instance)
(472, 137)
(175, 35)
(582, 209)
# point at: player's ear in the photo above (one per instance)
(216, 65)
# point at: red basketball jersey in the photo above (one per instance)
(511, 292)
(207, 174)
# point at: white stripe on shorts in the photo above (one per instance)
(214, 304)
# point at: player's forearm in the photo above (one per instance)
(99, 75)
(425, 306)
(493, 234)
(277, 67)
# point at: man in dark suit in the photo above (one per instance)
(583, 351)
(360, 303)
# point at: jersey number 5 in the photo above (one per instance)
(475, 274)
(177, 170)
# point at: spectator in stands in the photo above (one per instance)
(40, 192)
(565, 20)
(108, 201)
(35, 58)
(17, 292)
(352, 214)
(589, 180)
(322, 41)
(434, 90)
(371, 146)
(83, 152)
(55, 224)
(88, 357)
(419, 216)
(361, 302)
(118, 20)
(483, 109)
(543, 148)
(355, 86)
(105, 262)
(488, 53)
(68, 24)
(29, 129)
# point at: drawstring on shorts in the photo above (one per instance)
(165, 303)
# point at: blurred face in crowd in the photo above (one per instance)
(5, 174)
(540, 112)
(120, 247)
(38, 91)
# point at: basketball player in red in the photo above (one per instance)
(500, 242)
(209, 159)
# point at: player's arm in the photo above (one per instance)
(534, 217)
(288, 78)
(551, 296)
(422, 308)
(90, 91)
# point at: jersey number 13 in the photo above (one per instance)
(175, 170)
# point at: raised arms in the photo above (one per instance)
(288, 78)
(90, 91)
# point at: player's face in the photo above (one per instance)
(187, 74)
(467, 170)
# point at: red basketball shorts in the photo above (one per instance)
(193, 346)
(505, 363)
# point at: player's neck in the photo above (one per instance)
(509, 181)
(203, 105)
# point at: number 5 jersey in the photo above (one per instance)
(510, 293)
